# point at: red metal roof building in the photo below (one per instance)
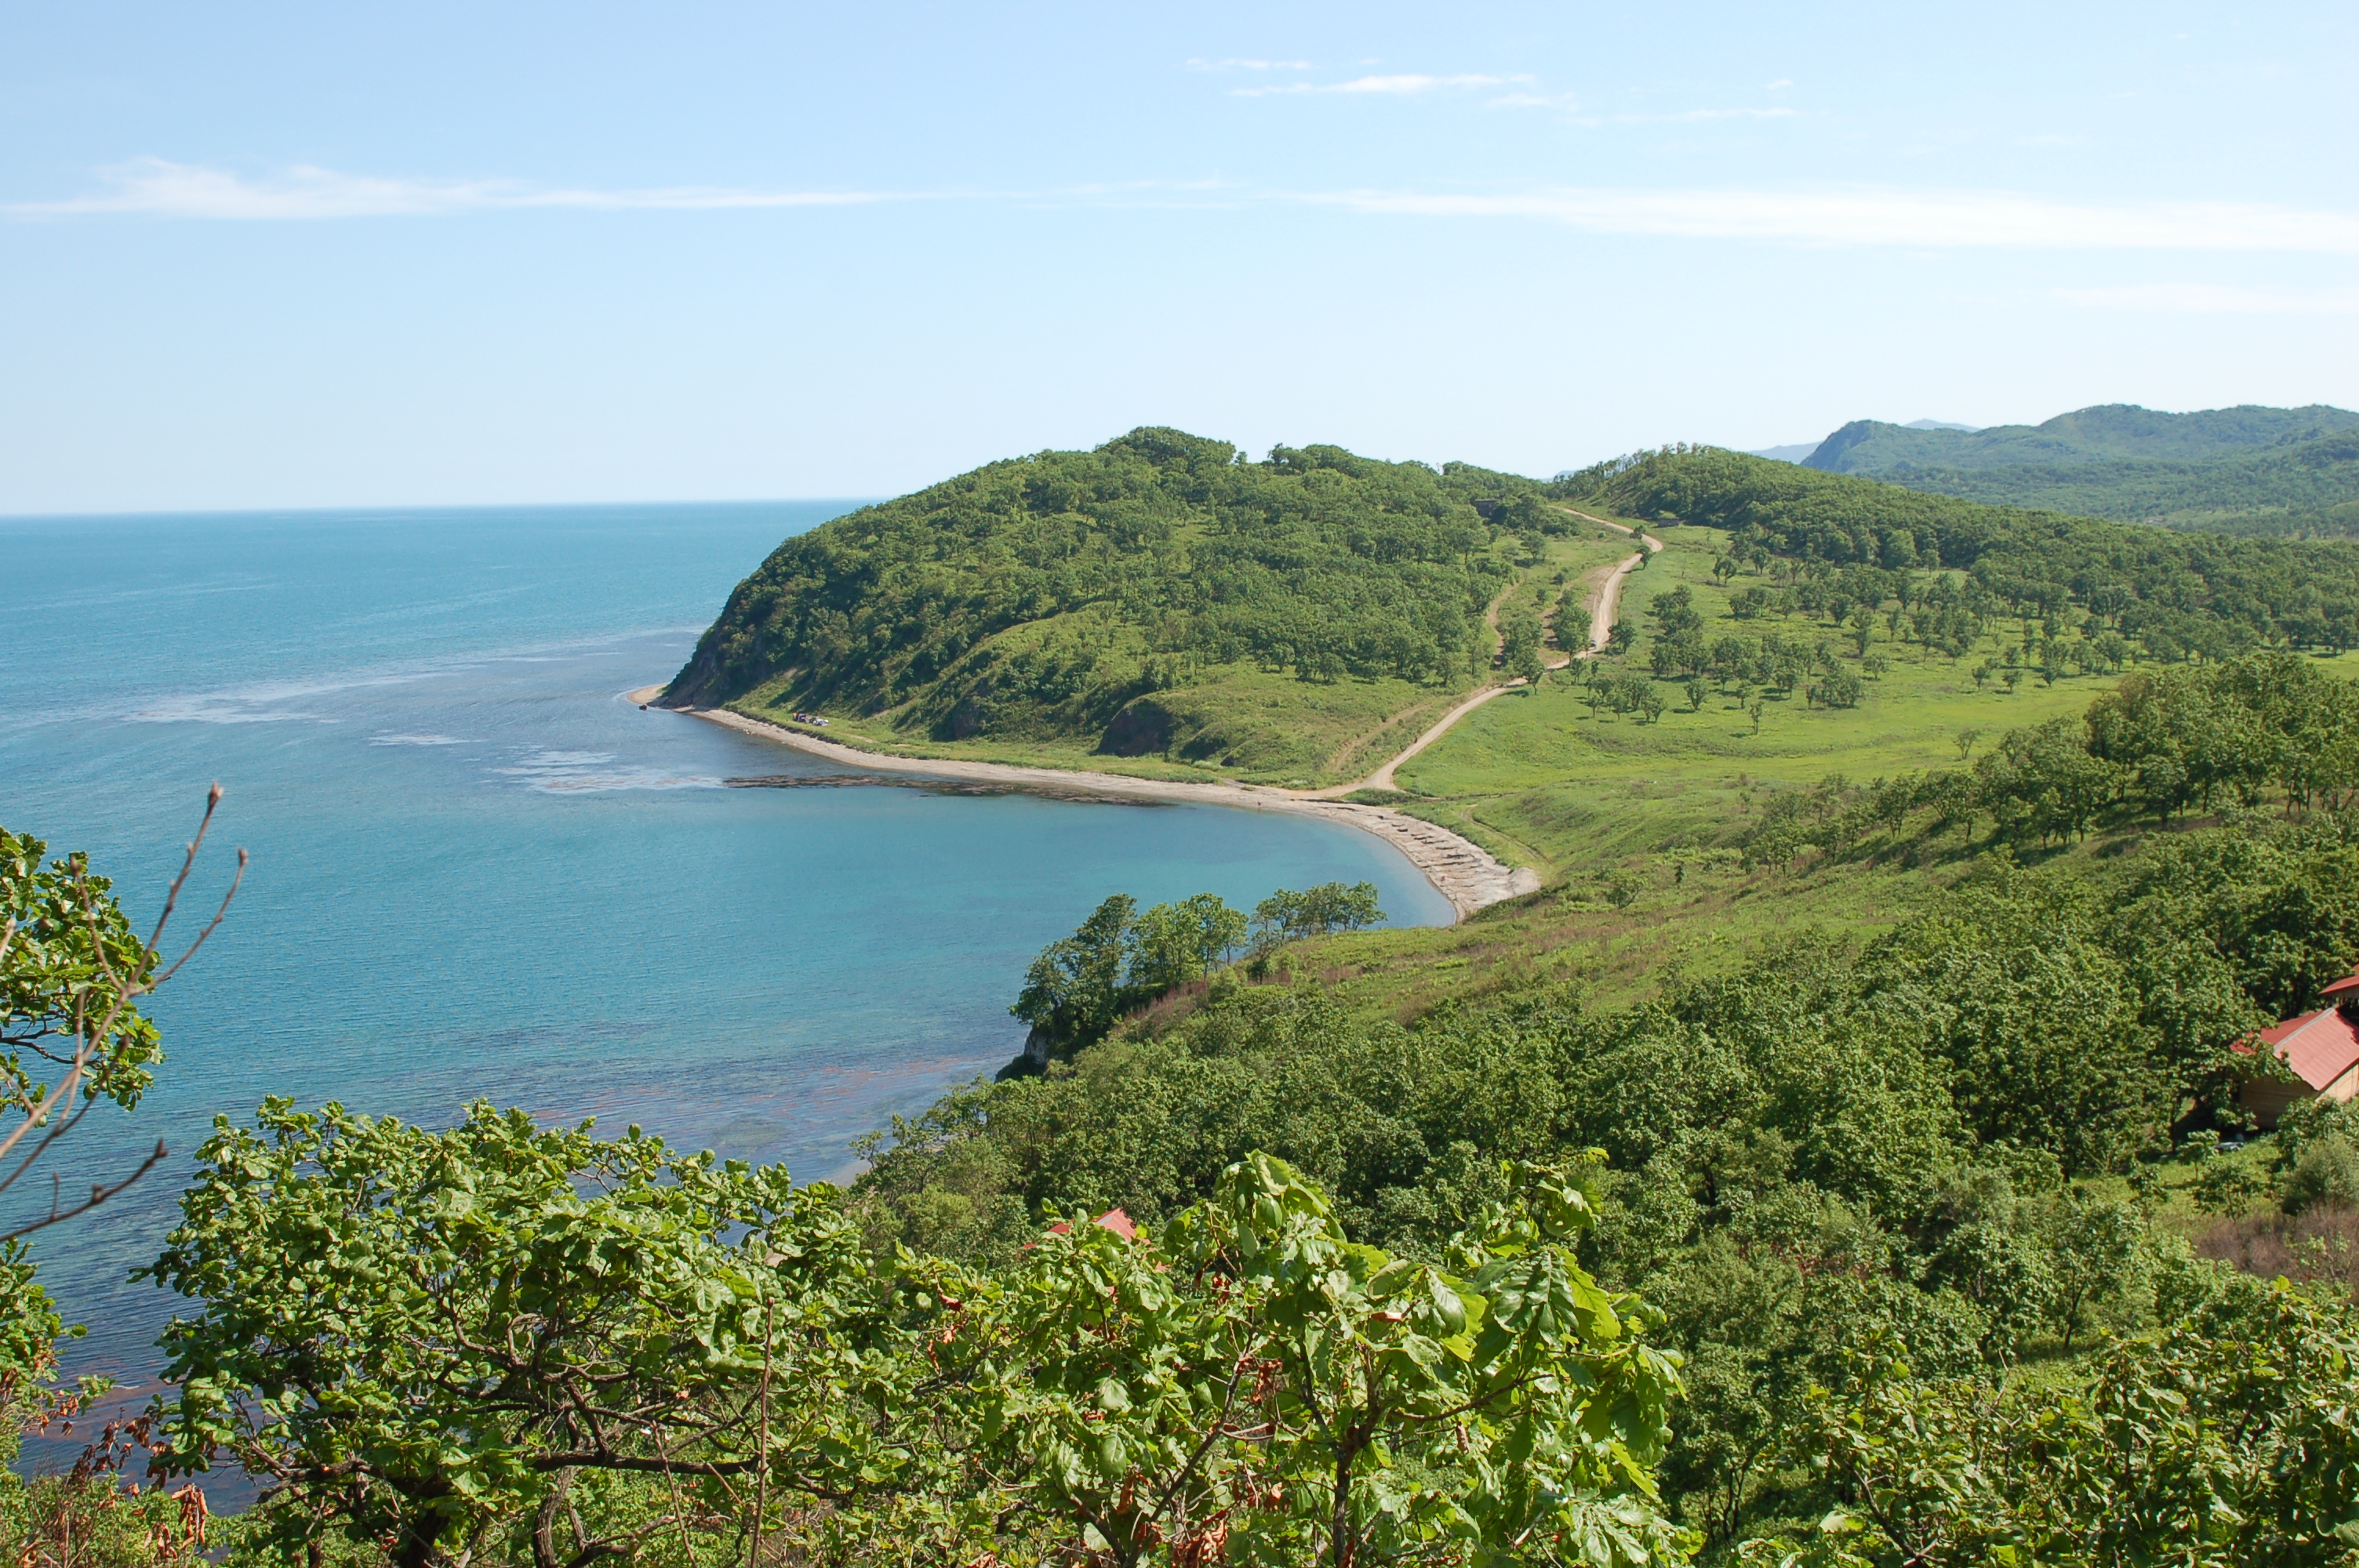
(2322, 1049)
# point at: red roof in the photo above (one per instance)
(1113, 1219)
(2318, 1046)
(2348, 982)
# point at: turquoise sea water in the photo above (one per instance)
(478, 872)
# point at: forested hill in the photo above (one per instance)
(2245, 470)
(2169, 594)
(1097, 595)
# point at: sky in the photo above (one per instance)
(425, 253)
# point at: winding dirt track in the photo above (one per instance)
(1462, 871)
(1604, 606)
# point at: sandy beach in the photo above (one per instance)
(1460, 871)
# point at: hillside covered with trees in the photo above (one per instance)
(2281, 472)
(1933, 1218)
(1158, 595)
(2171, 594)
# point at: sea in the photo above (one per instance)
(478, 872)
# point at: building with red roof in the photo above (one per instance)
(2322, 1049)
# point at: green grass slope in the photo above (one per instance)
(1844, 632)
(2244, 469)
(1158, 598)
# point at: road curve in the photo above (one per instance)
(1601, 626)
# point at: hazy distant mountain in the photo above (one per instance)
(1801, 450)
(2247, 469)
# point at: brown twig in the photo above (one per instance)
(98, 1194)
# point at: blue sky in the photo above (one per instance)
(303, 255)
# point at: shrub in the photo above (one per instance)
(2327, 1174)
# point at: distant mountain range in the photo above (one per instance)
(2246, 470)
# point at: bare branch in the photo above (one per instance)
(98, 1194)
(59, 1131)
(39, 1113)
(172, 894)
(210, 927)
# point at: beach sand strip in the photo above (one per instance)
(1461, 871)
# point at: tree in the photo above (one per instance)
(445, 1344)
(1838, 688)
(1260, 1387)
(1173, 944)
(1521, 654)
(2221, 1442)
(71, 974)
(1287, 916)
(1674, 611)
(1117, 960)
(1074, 992)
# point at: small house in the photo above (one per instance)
(2322, 1049)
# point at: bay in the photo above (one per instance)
(478, 872)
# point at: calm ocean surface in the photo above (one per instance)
(478, 872)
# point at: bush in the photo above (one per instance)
(2327, 1174)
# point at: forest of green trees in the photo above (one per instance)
(2278, 471)
(1087, 596)
(1898, 1203)
(2172, 595)
(1041, 596)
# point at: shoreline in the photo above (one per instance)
(1466, 874)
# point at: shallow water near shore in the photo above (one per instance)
(479, 872)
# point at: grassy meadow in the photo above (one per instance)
(1634, 824)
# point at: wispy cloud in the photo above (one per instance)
(1926, 220)
(157, 188)
(1687, 116)
(1940, 220)
(1397, 86)
(2216, 300)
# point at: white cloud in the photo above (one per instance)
(1781, 82)
(2215, 299)
(1681, 116)
(157, 188)
(1938, 219)
(1916, 220)
(1391, 85)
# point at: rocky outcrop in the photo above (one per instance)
(1033, 1060)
